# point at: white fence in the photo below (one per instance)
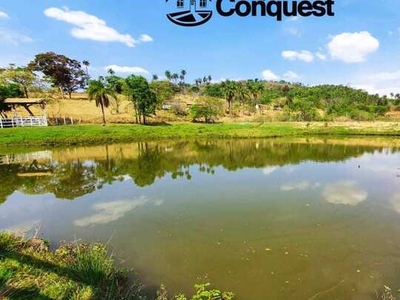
(23, 122)
(25, 158)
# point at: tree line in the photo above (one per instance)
(296, 101)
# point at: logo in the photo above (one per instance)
(194, 12)
(195, 16)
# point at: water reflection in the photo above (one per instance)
(110, 211)
(74, 172)
(280, 219)
(344, 192)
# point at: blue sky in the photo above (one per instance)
(360, 46)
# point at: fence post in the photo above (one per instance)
(72, 121)
(1, 122)
(12, 122)
(31, 121)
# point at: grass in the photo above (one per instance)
(29, 270)
(96, 134)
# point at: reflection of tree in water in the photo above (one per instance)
(9, 181)
(73, 179)
(68, 181)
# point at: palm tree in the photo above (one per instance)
(86, 63)
(111, 72)
(98, 92)
(175, 77)
(229, 90)
(242, 93)
(256, 88)
(155, 77)
(183, 75)
(168, 75)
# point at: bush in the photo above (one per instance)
(208, 108)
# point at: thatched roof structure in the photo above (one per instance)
(24, 101)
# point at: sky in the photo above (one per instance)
(359, 46)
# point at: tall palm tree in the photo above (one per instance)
(183, 75)
(86, 63)
(229, 90)
(242, 93)
(168, 75)
(175, 77)
(111, 71)
(102, 95)
(155, 77)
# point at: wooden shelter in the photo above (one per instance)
(19, 121)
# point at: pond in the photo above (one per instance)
(266, 219)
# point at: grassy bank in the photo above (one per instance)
(29, 270)
(96, 134)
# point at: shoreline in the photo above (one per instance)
(97, 134)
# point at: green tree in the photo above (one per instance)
(11, 90)
(163, 90)
(63, 72)
(143, 98)
(208, 108)
(101, 94)
(256, 89)
(168, 75)
(21, 76)
(229, 90)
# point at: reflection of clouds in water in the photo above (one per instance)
(396, 202)
(126, 178)
(269, 170)
(23, 227)
(289, 169)
(110, 211)
(158, 202)
(300, 186)
(383, 169)
(344, 192)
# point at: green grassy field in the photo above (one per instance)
(97, 134)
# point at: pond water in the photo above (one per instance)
(266, 219)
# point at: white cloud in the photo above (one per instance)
(110, 211)
(269, 75)
(303, 55)
(14, 37)
(344, 192)
(299, 186)
(145, 38)
(382, 83)
(90, 27)
(3, 15)
(352, 47)
(290, 75)
(320, 56)
(126, 69)
(269, 170)
(385, 76)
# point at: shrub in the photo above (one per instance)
(208, 108)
